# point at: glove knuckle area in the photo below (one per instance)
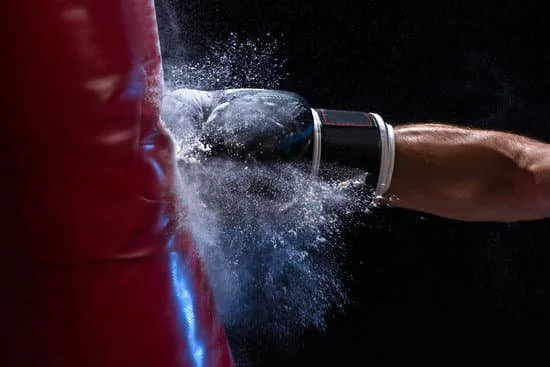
(257, 122)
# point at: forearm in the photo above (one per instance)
(449, 171)
(472, 175)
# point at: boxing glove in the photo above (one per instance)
(280, 125)
(241, 123)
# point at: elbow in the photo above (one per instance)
(517, 190)
(531, 189)
(540, 176)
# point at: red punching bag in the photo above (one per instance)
(98, 267)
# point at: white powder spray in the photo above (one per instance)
(268, 234)
(231, 63)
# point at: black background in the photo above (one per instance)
(424, 289)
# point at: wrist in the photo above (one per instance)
(355, 139)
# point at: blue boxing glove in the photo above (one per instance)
(270, 125)
(263, 124)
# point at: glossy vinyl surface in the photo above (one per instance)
(99, 268)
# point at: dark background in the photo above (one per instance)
(424, 289)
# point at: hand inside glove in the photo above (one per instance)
(269, 125)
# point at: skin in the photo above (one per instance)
(454, 172)
(470, 175)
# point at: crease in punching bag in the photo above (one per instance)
(99, 267)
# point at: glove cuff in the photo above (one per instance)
(387, 155)
(357, 139)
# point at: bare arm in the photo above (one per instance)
(472, 175)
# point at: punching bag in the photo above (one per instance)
(98, 268)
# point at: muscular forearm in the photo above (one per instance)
(445, 170)
(472, 175)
